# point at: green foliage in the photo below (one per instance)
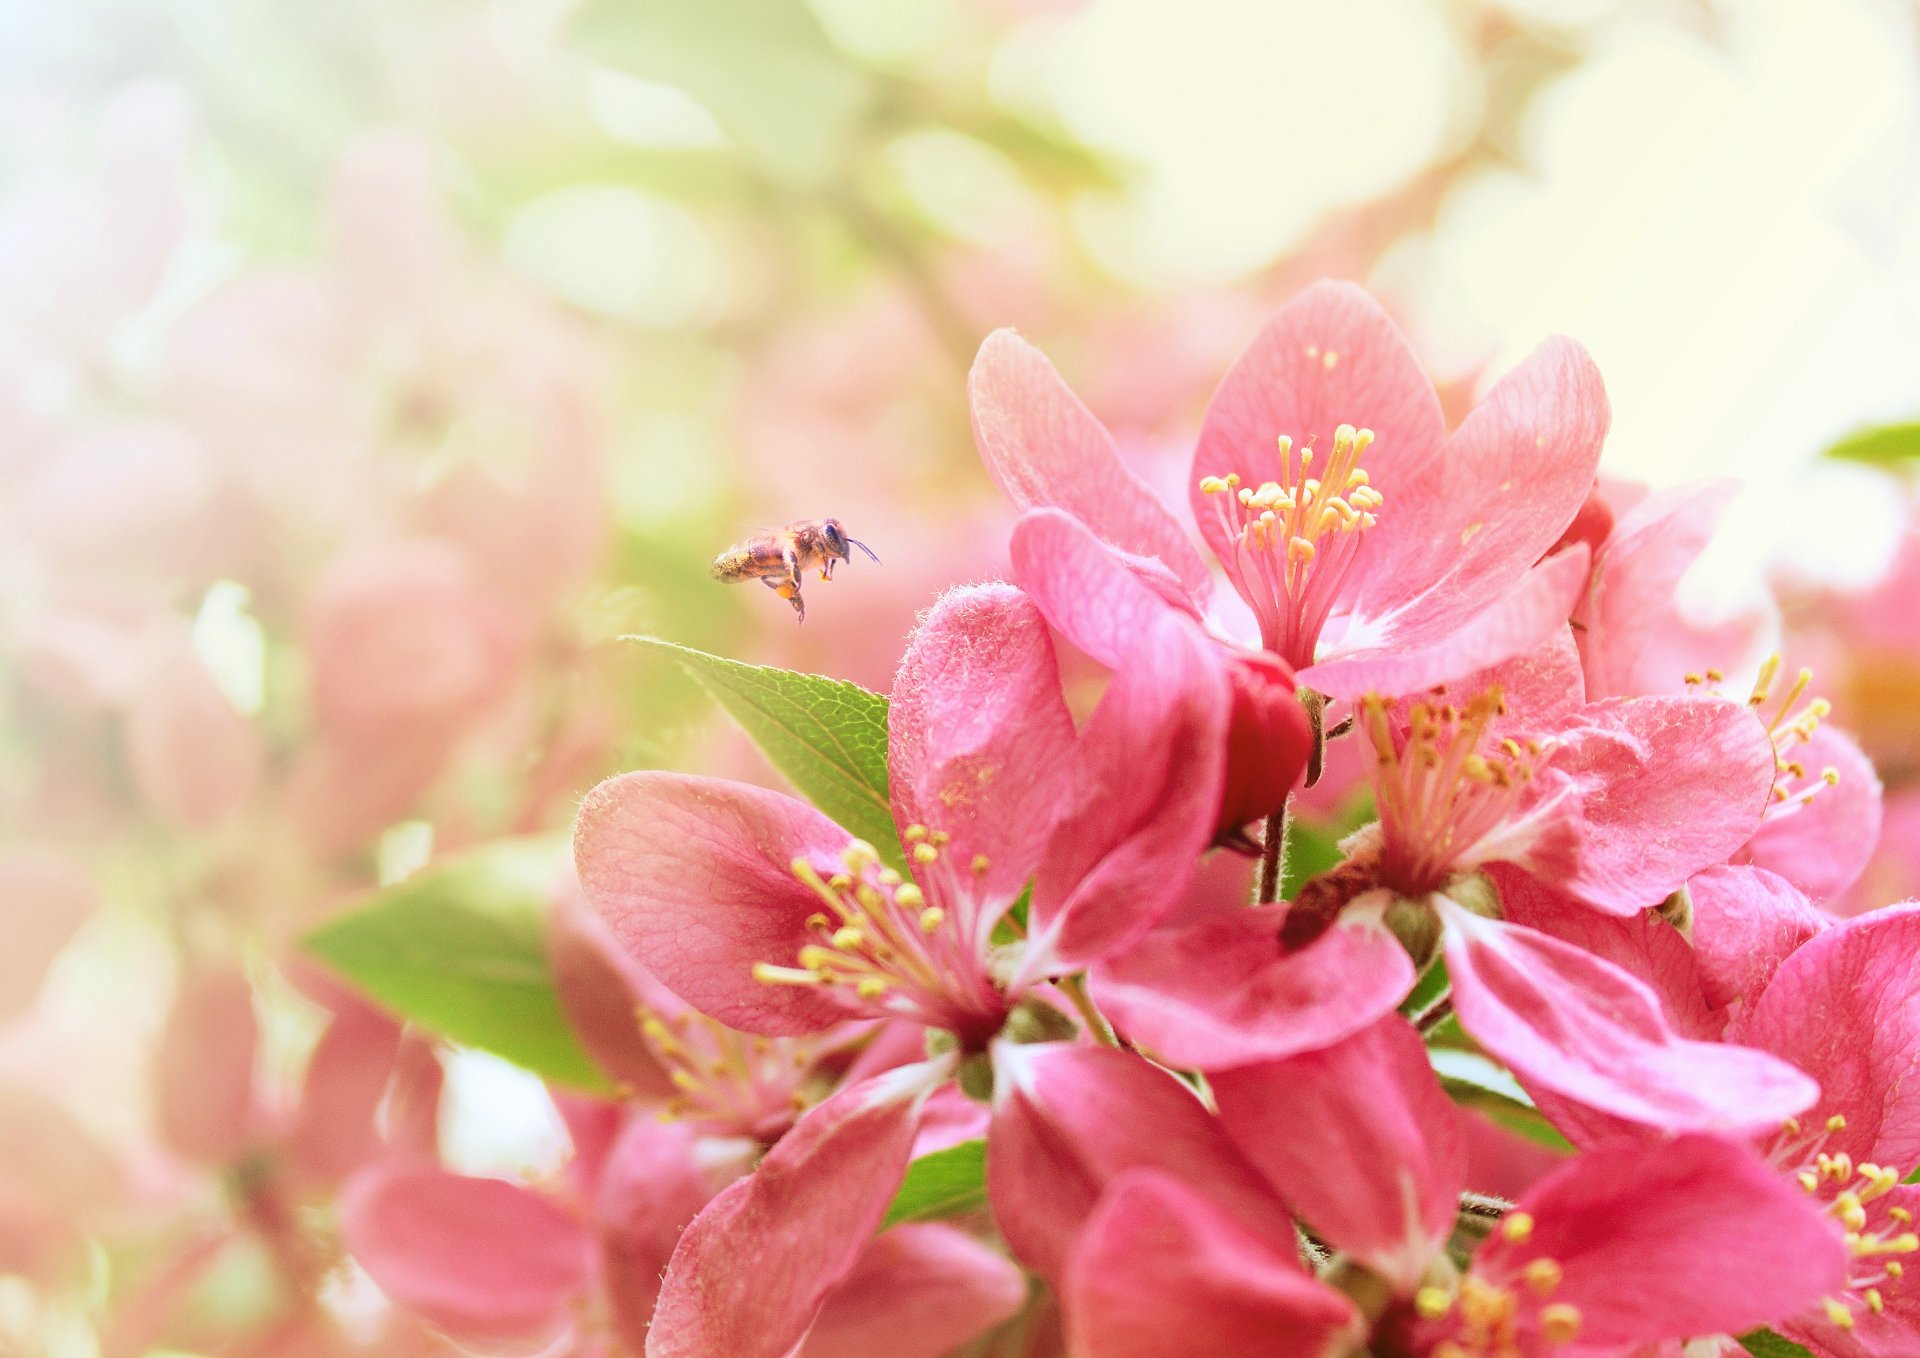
(1767, 1344)
(1473, 1081)
(1311, 850)
(827, 736)
(943, 1184)
(460, 948)
(1895, 446)
(764, 69)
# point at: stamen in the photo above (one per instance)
(1516, 1226)
(1560, 1322)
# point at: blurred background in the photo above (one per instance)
(367, 368)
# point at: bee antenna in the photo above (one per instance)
(855, 542)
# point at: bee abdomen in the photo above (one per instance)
(732, 567)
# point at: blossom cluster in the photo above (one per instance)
(1561, 1052)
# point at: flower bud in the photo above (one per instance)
(1268, 740)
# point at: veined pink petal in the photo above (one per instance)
(1068, 1119)
(1659, 1242)
(1435, 649)
(1331, 356)
(656, 1178)
(1361, 1141)
(600, 987)
(979, 734)
(1669, 786)
(1571, 1023)
(1044, 448)
(1635, 574)
(1455, 534)
(1746, 922)
(1822, 844)
(751, 1271)
(44, 900)
(694, 876)
(1845, 1007)
(1083, 587)
(1231, 990)
(480, 1258)
(916, 1292)
(1541, 689)
(1140, 804)
(1162, 1272)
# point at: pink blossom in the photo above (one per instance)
(1401, 558)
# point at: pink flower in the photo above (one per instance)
(1375, 551)
(1625, 1245)
(764, 915)
(1618, 803)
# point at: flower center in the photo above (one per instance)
(1879, 1234)
(1439, 794)
(1496, 1320)
(891, 952)
(1294, 540)
(753, 1086)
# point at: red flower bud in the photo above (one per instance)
(1268, 740)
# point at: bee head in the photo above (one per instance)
(839, 543)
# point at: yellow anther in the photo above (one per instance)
(1837, 1123)
(1560, 1322)
(815, 958)
(925, 853)
(931, 918)
(1837, 1312)
(888, 877)
(939, 839)
(913, 834)
(1808, 1180)
(1516, 1226)
(871, 987)
(859, 856)
(768, 974)
(1894, 1268)
(1875, 1302)
(1830, 776)
(1212, 485)
(684, 1080)
(1791, 1126)
(1692, 680)
(1543, 1275)
(847, 938)
(910, 896)
(1901, 1215)
(1432, 1302)
(1846, 1206)
(980, 864)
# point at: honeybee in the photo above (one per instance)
(776, 559)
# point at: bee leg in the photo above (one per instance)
(789, 591)
(792, 563)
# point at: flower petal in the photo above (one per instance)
(1574, 1024)
(203, 1070)
(1232, 990)
(1330, 357)
(750, 1273)
(1456, 534)
(916, 1292)
(1044, 448)
(1630, 595)
(1088, 592)
(1350, 1111)
(44, 899)
(1162, 1272)
(694, 876)
(1823, 845)
(1140, 805)
(1439, 650)
(1669, 786)
(979, 733)
(1660, 1242)
(1746, 922)
(1845, 1007)
(477, 1257)
(1068, 1119)
(600, 985)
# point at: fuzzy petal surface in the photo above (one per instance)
(1044, 448)
(1746, 922)
(477, 1257)
(917, 1291)
(1660, 1242)
(1164, 1273)
(1089, 592)
(1579, 1026)
(1845, 1007)
(1668, 786)
(750, 1273)
(1361, 1141)
(1068, 1120)
(1231, 990)
(695, 878)
(979, 735)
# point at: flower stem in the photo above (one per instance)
(1273, 847)
(1075, 989)
(1434, 1014)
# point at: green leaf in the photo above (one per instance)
(1767, 1344)
(1887, 445)
(764, 69)
(1311, 850)
(827, 736)
(460, 948)
(1473, 1081)
(943, 1184)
